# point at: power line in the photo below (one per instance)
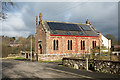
(68, 9)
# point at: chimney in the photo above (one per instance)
(87, 22)
(36, 21)
(40, 18)
(90, 23)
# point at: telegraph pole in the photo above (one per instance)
(31, 47)
(99, 49)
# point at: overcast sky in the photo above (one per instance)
(21, 18)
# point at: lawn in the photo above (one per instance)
(14, 58)
(50, 61)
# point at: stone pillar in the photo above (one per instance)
(86, 63)
(25, 54)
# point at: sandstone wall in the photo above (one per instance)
(96, 65)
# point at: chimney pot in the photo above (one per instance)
(40, 17)
(87, 21)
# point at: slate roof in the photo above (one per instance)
(63, 28)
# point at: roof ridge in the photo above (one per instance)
(66, 22)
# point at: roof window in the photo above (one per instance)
(54, 32)
(68, 33)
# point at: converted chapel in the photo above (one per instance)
(54, 37)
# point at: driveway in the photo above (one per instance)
(17, 69)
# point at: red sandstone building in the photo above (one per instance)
(64, 38)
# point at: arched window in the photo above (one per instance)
(94, 44)
(55, 44)
(82, 45)
(69, 44)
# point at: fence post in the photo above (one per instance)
(86, 63)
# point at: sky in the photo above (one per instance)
(21, 18)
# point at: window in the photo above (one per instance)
(80, 33)
(82, 45)
(54, 32)
(94, 44)
(68, 33)
(69, 44)
(55, 44)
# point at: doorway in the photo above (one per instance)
(40, 49)
(27, 55)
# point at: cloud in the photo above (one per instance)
(16, 33)
(103, 15)
(14, 25)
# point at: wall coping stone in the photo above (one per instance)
(70, 58)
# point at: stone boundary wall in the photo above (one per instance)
(112, 67)
(107, 66)
(74, 63)
(53, 57)
(13, 55)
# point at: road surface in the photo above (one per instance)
(21, 69)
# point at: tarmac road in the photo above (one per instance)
(17, 69)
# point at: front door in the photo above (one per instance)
(40, 49)
(27, 55)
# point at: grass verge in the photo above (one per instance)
(14, 58)
(50, 61)
(60, 65)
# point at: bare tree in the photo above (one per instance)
(5, 6)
